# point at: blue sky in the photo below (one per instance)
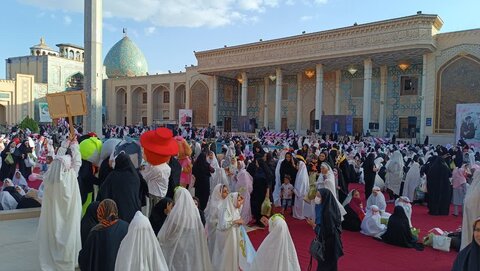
(168, 31)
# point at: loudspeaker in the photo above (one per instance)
(373, 126)
(317, 124)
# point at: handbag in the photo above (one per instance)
(9, 159)
(442, 242)
(317, 251)
(266, 207)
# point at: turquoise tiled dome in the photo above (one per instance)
(125, 59)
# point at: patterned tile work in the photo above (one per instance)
(348, 105)
(228, 108)
(401, 106)
(125, 59)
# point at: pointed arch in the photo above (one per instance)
(200, 106)
(180, 98)
(457, 79)
(121, 106)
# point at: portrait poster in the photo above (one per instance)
(44, 113)
(468, 124)
(185, 117)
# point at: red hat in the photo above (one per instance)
(16, 140)
(158, 145)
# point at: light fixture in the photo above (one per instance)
(272, 77)
(309, 73)
(240, 79)
(403, 65)
(352, 70)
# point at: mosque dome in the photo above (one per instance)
(125, 59)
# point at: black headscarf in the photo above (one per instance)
(201, 166)
(469, 258)
(331, 218)
(89, 220)
(398, 230)
(158, 216)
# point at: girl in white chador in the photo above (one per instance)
(326, 179)
(227, 251)
(302, 184)
(140, 249)
(220, 192)
(182, 236)
(377, 198)
(278, 182)
(277, 251)
(371, 224)
(59, 225)
(471, 209)
(244, 187)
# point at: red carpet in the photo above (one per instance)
(365, 253)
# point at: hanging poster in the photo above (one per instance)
(44, 113)
(185, 117)
(468, 124)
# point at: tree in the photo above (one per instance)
(29, 123)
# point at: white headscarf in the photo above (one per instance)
(244, 187)
(182, 236)
(140, 249)
(278, 182)
(378, 200)
(7, 201)
(471, 209)
(20, 180)
(277, 251)
(302, 184)
(371, 224)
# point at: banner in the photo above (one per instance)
(44, 112)
(185, 116)
(468, 124)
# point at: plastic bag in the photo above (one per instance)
(266, 207)
(9, 159)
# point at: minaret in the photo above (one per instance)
(93, 67)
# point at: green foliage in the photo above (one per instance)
(29, 123)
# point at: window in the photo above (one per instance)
(144, 97)
(228, 94)
(166, 97)
(409, 85)
(357, 88)
(125, 98)
(285, 92)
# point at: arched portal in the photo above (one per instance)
(139, 105)
(121, 107)
(3, 114)
(180, 99)
(199, 98)
(158, 97)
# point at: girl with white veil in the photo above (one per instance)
(220, 192)
(182, 237)
(244, 186)
(302, 184)
(326, 179)
(59, 225)
(278, 182)
(140, 249)
(412, 179)
(394, 175)
(371, 224)
(277, 251)
(471, 209)
(227, 251)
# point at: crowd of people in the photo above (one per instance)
(184, 199)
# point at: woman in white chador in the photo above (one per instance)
(227, 251)
(220, 192)
(277, 251)
(377, 198)
(394, 175)
(326, 179)
(59, 225)
(244, 186)
(219, 176)
(412, 180)
(140, 249)
(302, 184)
(182, 236)
(371, 224)
(278, 182)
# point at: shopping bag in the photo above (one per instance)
(266, 207)
(441, 242)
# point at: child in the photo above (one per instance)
(459, 183)
(286, 193)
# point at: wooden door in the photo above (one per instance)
(227, 124)
(284, 124)
(357, 126)
(144, 121)
(403, 128)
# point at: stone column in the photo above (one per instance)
(367, 93)
(243, 111)
(149, 105)
(266, 84)
(338, 75)
(299, 102)
(383, 90)
(278, 101)
(93, 66)
(171, 104)
(215, 100)
(422, 99)
(319, 95)
(129, 106)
